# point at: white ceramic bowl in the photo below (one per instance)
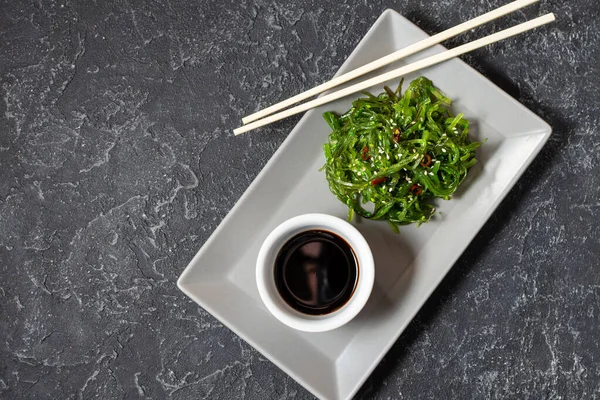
(265, 278)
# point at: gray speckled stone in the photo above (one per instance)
(117, 162)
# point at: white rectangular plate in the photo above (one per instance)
(409, 266)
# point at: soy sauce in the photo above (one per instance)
(316, 272)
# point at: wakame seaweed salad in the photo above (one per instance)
(397, 150)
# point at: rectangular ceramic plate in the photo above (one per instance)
(409, 266)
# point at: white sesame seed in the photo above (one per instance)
(388, 156)
(391, 189)
(444, 150)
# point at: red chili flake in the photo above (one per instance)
(426, 161)
(377, 181)
(397, 135)
(365, 156)
(416, 189)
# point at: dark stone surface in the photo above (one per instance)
(117, 162)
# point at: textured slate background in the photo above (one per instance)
(117, 162)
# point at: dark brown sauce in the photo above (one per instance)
(316, 272)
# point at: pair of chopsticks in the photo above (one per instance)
(262, 117)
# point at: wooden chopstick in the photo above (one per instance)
(395, 56)
(424, 63)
